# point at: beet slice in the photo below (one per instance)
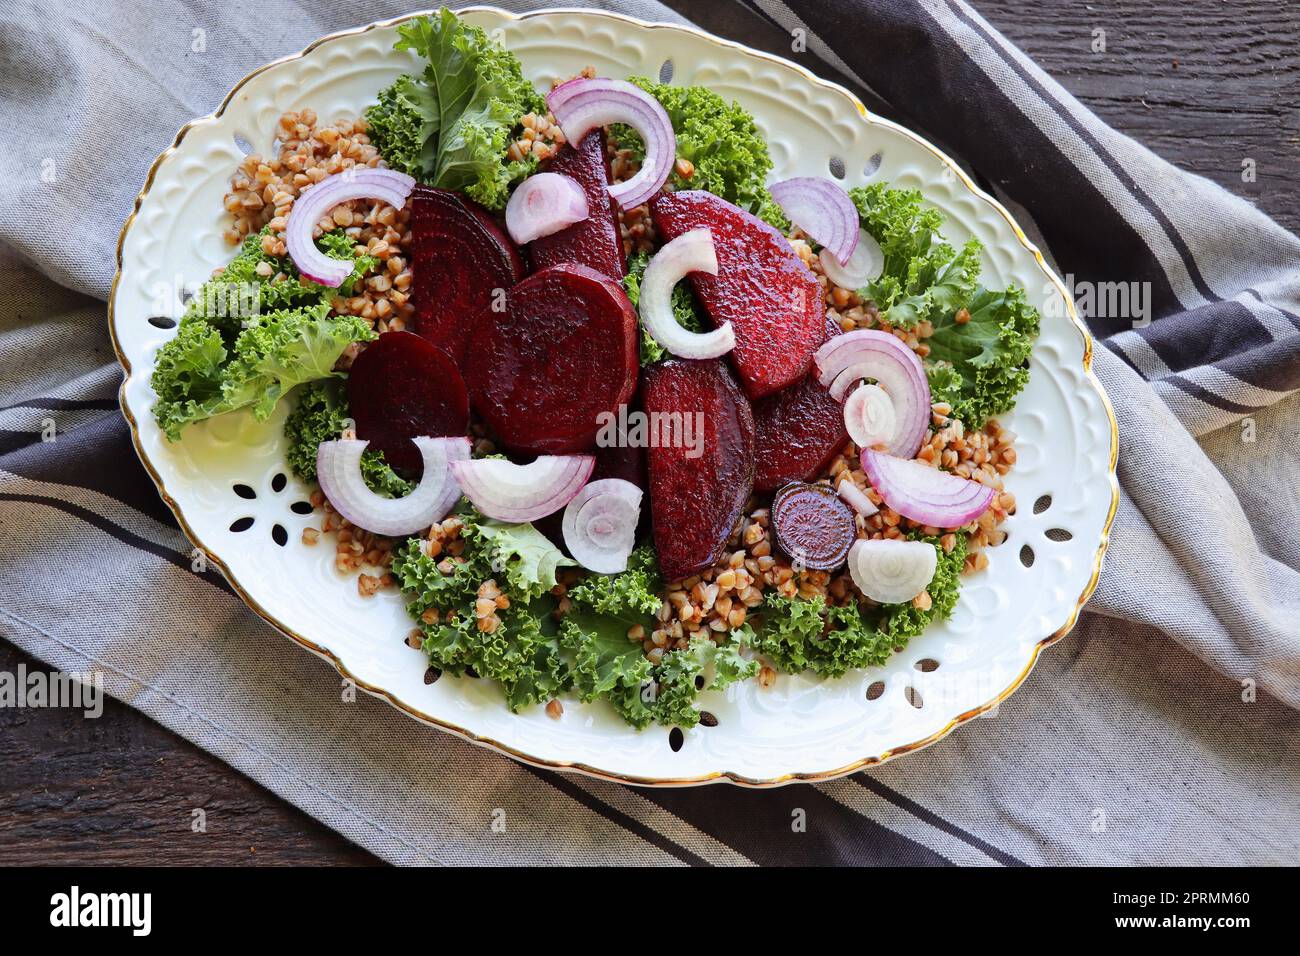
(813, 526)
(595, 240)
(696, 499)
(561, 351)
(797, 432)
(401, 387)
(762, 287)
(460, 257)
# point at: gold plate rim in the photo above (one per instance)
(577, 766)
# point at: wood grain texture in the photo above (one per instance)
(1204, 83)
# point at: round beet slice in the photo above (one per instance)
(402, 387)
(813, 525)
(560, 351)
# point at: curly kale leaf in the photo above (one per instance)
(246, 339)
(798, 634)
(523, 554)
(989, 354)
(923, 277)
(723, 143)
(679, 675)
(631, 594)
(451, 126)
(320, 414)
(686, 308)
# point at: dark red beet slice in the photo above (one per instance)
(595, 240)
(696, 501)
(459, 258)
(797, 432)
(402, 387)
(762, 287)
(562, 351)
(814, 527)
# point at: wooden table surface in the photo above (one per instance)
(1207, 84)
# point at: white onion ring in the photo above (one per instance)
(869, 416)
(864, 265)
(690, 252)
(542, 205)
(890, 571)
(600, 525)
(517, 493)
(387, 185)
(582, 104)
(338, 469)
(823, 210)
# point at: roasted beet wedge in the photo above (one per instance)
(700, 477)
(562, 350)
(459, 258)
(797, 432)
(762, 287)
(402, 387)
(594, 241)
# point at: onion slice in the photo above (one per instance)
(600, 524)
(690, 252)
(542, 205)
(863, 266)
(517, 493)
(869, 416)
(387, 185)
(925, 494)
(338, 469)
(844, 360)
(855, 497)
(890, 571)
(582, 104)
(823, 210)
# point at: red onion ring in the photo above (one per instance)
(517, 493)
(823, 210)
(582, 104)
(386, 185)
(542, 205)
(869, 416)
(338, 469)
(600, 524)
(924, 494)
(865, 264)
(855, 497)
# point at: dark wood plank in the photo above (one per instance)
(120, 789)
(1204, 83)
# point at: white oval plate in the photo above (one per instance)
(802, 728)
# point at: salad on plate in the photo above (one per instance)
(621, 416)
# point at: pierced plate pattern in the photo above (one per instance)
(801, 728)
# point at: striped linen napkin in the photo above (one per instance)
(1161, 731)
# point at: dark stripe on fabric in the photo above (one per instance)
(570, 789)
(121, 534)
(760, 824)
(11, 441)
(1112, 163)
(65, 404)
(914, 68)
(1207, 396)
(932, 818)
(1205, 334)
(1276, 366)
(98, 456)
